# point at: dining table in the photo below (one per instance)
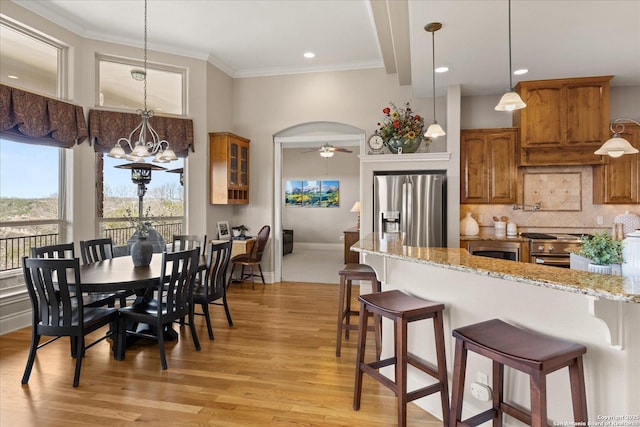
(119, 274)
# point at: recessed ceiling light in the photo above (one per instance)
(442, 69)
(11, 76)
(309, 55)
(521, 71)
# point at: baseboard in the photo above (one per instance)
(318, 246)
(15, 321)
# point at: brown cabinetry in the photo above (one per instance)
(618, 180)
(564, 122)
(351, 236)
(488, 166)
(228, 169)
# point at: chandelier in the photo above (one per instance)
(140, 146)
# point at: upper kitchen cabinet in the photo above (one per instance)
(618, 180)
(488, 165)
(228, 169)
(564, 122)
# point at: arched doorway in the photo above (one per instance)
(309, 135)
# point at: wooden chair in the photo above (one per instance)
(253, 258)
(214, 287)
(59, 310)
(175, 299)
(183, 242)
(99, 250)
(66, 250)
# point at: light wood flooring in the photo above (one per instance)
(276, 366)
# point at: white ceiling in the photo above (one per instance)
(552, 38)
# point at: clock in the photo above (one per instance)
(376, 142)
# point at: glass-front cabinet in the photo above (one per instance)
(228, 169)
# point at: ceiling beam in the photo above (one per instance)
(391, 18)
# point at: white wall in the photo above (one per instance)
(321, 225)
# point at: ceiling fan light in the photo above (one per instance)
(510, 101)
(434, 131)
(616, 147)
(326, 153)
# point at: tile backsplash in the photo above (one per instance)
(551, 217)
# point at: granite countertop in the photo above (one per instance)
(604, 286)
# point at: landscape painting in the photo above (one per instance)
(312, 194)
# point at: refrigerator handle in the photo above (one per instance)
(407, 207)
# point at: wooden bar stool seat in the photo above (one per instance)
(402, 309)
(532, 353)
(347, 274)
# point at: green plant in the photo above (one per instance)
(241, 228)
(142, 226)
(601, 249)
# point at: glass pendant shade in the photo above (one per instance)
(434, 131)
(616, 147)
(326, 153)
(140, 150)
(510, 101)
(117, 152)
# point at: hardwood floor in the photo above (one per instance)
(275, 366)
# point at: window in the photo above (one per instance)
(31, 179)
(164, 199)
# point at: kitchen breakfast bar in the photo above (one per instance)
(601, 312)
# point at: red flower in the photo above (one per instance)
(417, 117)
(396, 124)
(386, 111)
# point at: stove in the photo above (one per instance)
(553, 249)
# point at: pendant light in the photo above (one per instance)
(138, 143)
(434, 130)
(511, 100)
(616, 146)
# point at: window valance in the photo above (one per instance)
(37, 119)
(107, 127)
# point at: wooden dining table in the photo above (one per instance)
(119, 274)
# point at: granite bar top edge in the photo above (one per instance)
(608, 287)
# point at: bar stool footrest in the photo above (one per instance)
(420, 364)
(379, 377)
(424, 391)
(516, 413)
(482, 417)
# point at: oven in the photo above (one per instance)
(495, 249)
(552, 249)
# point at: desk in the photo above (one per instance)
(239, 246)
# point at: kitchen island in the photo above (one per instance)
(599, 311)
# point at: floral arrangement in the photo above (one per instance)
(400, 123)
(142, 225)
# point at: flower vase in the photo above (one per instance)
(469, 226)
(403, 144)
(141, 252)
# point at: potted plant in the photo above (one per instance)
(602, 250)
(239, 230)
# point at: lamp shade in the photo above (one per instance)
(356, 207)
(616, 147)
(434, 131)
(510, 101)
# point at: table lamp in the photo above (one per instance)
(356, 209)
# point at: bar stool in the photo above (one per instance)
(347, 274)
(534, 354)
(402, 309)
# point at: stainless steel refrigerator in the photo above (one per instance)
(413, 204)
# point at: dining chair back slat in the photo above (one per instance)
(96, 250)
(183, 242)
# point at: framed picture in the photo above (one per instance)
(224, 232)
(312, 194)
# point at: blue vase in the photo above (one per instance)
(408, 145)
(141, 252)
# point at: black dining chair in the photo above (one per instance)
(66, 250)
(59, 310)
(214, 287)
(182, 242)
(174, 301)
(99, 250)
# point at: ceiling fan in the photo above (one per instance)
(327, 150)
